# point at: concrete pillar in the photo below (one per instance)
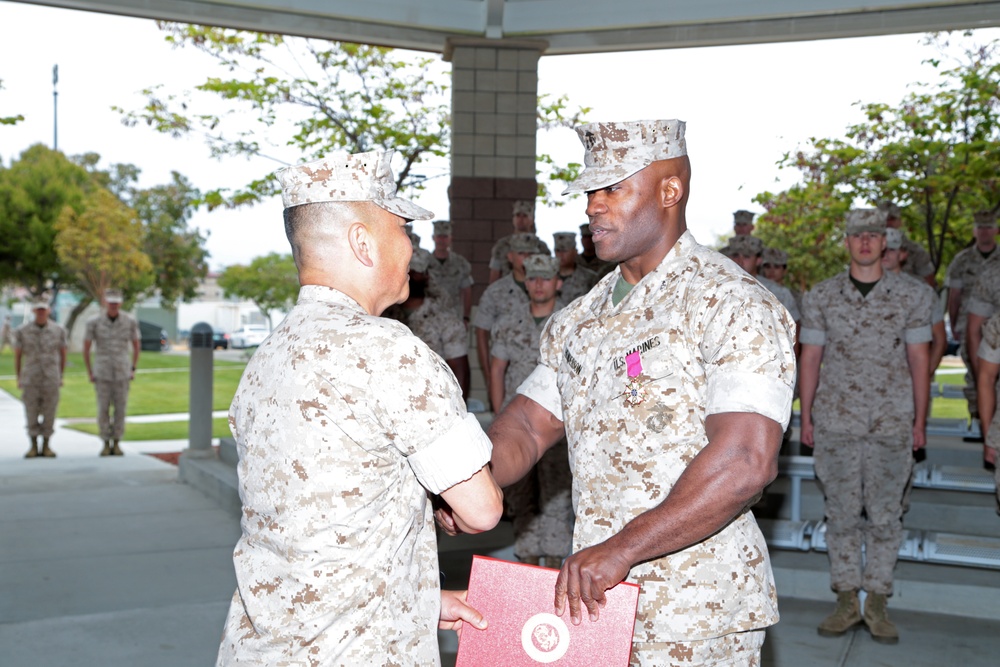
(200, 423)
(494, 106)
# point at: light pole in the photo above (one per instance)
(55, 108)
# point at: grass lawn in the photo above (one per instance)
(160, 430)
(161, 385)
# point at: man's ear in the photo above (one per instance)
(362, 243)
(671, 191)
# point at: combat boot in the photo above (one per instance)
(846, 615)
(116, 450)
(46, 452)
(33, 450)
(107, 449)
(877, 619)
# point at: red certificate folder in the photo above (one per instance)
(518, 602)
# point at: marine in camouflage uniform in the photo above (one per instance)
(114, 339)
(502, 296)
(431, 317)
(864, 411)
(588, 259)
(989, 372)
(39, 362)
(345, 423)
(918, 260)
(524, 223)
(540, 503)
(450, 272)
(576, 280)
(650, 376)
(774, 265)
(960, 279)
(747, 252)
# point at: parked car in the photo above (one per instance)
(249, 336)
(153, 337)
(220, 339)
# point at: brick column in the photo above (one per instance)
(494, 105)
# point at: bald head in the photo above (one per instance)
(318, 232)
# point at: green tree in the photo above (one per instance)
(318, 96)
(102, 247)
(936, 153)
(270, 281)
(34, 191)
(9, 120)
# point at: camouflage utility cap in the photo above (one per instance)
(541, 266)
(893, 239)
(343, 177)
(890, 209)
(523, 242)
(585, 229)
(748, 246)
(615, 151)
(742, 217)
(442, 228)
(113, 296)
(40, 304)
(525, 207)
(865, 220)
(420, 260)
(775, 257)
(985, 218)
(564, 241)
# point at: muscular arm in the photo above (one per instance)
(740, 459)
(521, 434)
(918, 358)
(986, 388)
(498, 369)
(477, 503)
(809, 364)
(466, 294)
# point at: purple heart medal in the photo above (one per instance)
(634, 391)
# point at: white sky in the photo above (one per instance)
(745, 106)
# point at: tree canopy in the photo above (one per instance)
(270, 281)
(9, 120)
(317, 96)
(936, 154)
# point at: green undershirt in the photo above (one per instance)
(864, 288)
(622, 288)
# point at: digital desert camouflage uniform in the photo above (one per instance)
(113, 345)
(540, 503)
(989, 350)
(863, 418)
(498, 256)
(41, 373)
(633, 385)
(435, 323)
(918, 261)
(962, 274)
(985, 299)
(451, 276)
(503, 296)
(344, 422)
(783, 295)
(577, 284)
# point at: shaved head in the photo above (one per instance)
(318, 232)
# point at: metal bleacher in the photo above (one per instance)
(931, 546)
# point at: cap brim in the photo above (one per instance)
(595, 178)
(404, 209)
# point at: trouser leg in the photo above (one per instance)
(888, 463)
(49, 404)
(119, 399)
(31, 397)
(969, 390)
(104, 390)
(838, 460)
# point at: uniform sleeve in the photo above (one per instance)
(918, 324)
(454, 339)
(485, 316)
(989, 348)
(951, 276)
(747, 347)
(15, 339)
(499, 346)
(983, 300)
(90, 332)
(63, 338)
(135, 335)
(467, 280)
(421, 405)
(498, 256)
(813, 323)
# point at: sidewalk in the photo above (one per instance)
(112, 562)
